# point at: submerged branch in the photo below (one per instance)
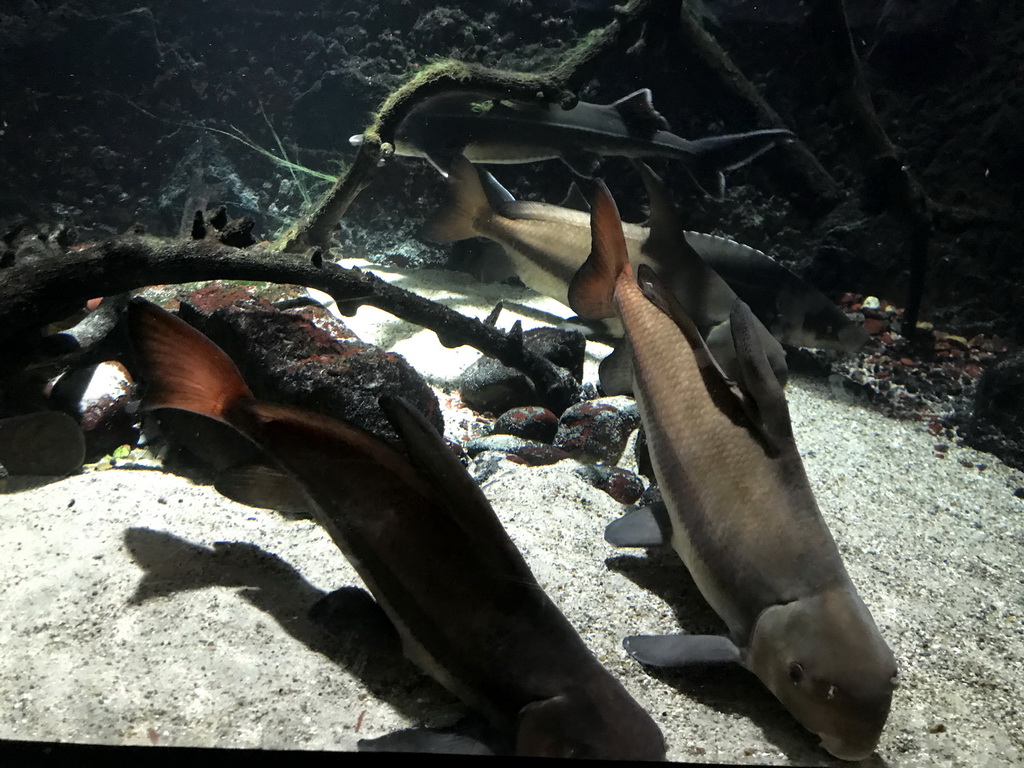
(557, 85)
(43, 290)
(890, 185)
(817, 192)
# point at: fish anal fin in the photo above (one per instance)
(644, 527)
(681, 650)
(184, 369)
(638, 113)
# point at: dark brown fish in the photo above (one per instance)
(429, 547)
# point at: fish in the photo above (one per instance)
(488, 130)
(547, 244)
(428, 546)
(741, 512)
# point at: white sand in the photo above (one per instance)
(219, 652)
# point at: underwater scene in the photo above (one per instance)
(551, 378)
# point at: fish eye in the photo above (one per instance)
(796, 672)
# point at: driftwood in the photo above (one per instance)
(43, 290)
(557, 85)
(889, 184)
(817, 192)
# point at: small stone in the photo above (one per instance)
(622, 485)
(597, 430)
(871, 302)
(532, 422)
(531, 452)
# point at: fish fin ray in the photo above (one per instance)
(265, 487)
(575, 199)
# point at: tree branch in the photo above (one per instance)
(41, 290)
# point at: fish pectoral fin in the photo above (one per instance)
(638, 113)
(265, 487)
(616, 370)
(768, 409)
(583, 164)
(644, 527)
(425, 741)
(681, 650)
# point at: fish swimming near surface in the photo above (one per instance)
(742, 514)
(430, 549)
(486, 130)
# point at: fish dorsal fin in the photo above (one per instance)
(575, 199)
(453, 487)
(638, 113)
(496, 193)
(665, 232)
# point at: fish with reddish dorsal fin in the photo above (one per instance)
(742, 514)
(430, 549)
(547, 244)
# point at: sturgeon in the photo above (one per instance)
(547, 244)
(429, 547)
(742, 514)
(488, 130)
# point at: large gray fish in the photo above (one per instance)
(742, 514)
(547, 244)
(486, 130)
(429, 547)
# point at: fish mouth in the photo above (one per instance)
(837, 747)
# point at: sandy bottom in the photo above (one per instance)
(140, 608)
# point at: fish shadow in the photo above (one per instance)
(728, 688)
(347, 626)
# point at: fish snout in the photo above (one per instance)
(846, 749)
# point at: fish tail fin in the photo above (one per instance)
(592, 289)
(185, 370)
(467, 203)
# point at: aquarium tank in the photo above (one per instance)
(631, 380)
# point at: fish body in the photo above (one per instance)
(742, 514)
(486, 130)
(547, 244)
(430, 549)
